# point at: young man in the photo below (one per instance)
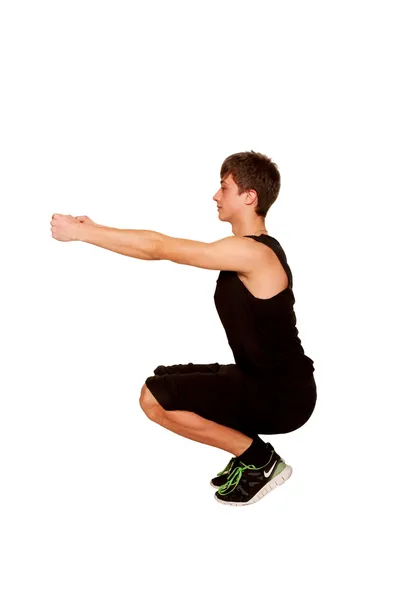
(270, 388)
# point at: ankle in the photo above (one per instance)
(257, 453)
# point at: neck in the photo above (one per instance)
(259, 232)
(252, 229)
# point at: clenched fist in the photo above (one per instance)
(66, 228)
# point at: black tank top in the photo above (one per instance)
(262, 333)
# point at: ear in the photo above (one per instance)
(252, 196)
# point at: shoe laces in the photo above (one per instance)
(236, 475)
(234, 479)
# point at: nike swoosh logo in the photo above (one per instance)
(271, 469)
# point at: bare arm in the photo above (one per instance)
(229, 254)
(137, 243)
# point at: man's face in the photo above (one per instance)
(228, 199)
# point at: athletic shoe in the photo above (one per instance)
(247, 484)
(222, 477)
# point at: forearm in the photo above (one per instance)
(137, 243)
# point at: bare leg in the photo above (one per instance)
(194, 427)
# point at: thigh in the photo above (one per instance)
(216, 392)
(278, 408)
(229, 396)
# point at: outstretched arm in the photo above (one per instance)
(232, 253)
(137, 243)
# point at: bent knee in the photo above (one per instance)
(146, 399)
(149, 404)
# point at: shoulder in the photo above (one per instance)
(248, 246)
(262, 249)
(232, 253)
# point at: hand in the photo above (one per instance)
(65, 228)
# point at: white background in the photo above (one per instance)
(124, 112)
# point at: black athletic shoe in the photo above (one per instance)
(223, 475)
(246, 484)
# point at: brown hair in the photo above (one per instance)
(254, 171)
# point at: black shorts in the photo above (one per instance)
(229, 396)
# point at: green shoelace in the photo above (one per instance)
(234, 479)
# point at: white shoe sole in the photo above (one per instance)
(268, 487)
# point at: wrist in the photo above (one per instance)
(83, 231)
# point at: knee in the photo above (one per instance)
(149, 404)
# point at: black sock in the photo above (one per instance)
(257, 454)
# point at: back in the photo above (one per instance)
(262, 333)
